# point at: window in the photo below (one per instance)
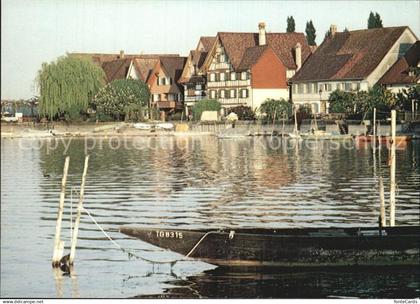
(156, 97)
(309, 88)
(172, 97)
(161, 80)
(243, 75)
(314, 86)
(328, 87)
(198, 86)
(338, 86)
(300, 88)
(222, 76)
(222, 93)
(212, 77)
(232, 93)
(233, 76)
(244, 93)
(213, 94)
(294, 88)
(347, 86)
(222, 58)
(358, 86)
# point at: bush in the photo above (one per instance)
(243, 112)
(205, 105)
(279, 107)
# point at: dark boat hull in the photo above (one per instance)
(315, 247)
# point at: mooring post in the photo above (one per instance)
(79, 212)
(57, 241)
(382, 202)
(392, 186)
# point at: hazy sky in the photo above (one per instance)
(36, 31)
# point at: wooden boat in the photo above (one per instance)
(312, 247)
(383, 139)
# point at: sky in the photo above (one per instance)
(37, 31)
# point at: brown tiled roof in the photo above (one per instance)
(100, 58)
(145, 66)
(207, 42)
(198, 58)
(283, 44)
(399, 72)
(116, 69)
(251, 57)
(173, 67)
(349, 55)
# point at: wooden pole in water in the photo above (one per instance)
(296, 126)
(57, 241)
(382, 202)
(274, 119)
(392, 186)
(374, 131)
(79, 212)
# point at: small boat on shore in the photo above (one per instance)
(309, 247)
(382, 139)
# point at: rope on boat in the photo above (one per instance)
(131, 254)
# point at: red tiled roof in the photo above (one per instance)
(235, 45)
(251, 57)
(399, 72)
(349, 55)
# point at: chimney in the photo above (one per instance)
(261, 37)
(122, 54)
(298, 56)
(333, 30)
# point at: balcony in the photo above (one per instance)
(166, 104)
(228, 83)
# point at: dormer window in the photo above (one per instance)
(244, 75)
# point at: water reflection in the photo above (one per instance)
(189, 182)
(338, 283)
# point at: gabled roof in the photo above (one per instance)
(349, 55)
(116, 69)
(207, 42)
(251, 57)
(172, 67)
(235, 45)
(145, 66)
(196, 58)
(399, 72)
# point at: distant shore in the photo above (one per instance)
(124, 129)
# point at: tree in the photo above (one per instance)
(378, 21)
(122, 98)
(243, 112)
(341, 102)
(310, 33)
(205, 105)
(374, 21)
(67, 86)
(275, 109)
(290, 24)
(407, 96)
(346, 29)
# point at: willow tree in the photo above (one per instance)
(67, 86)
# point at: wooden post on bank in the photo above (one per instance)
(79, 212)
(58, 244)
(392, 186)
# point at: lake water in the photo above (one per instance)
(192, 182)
